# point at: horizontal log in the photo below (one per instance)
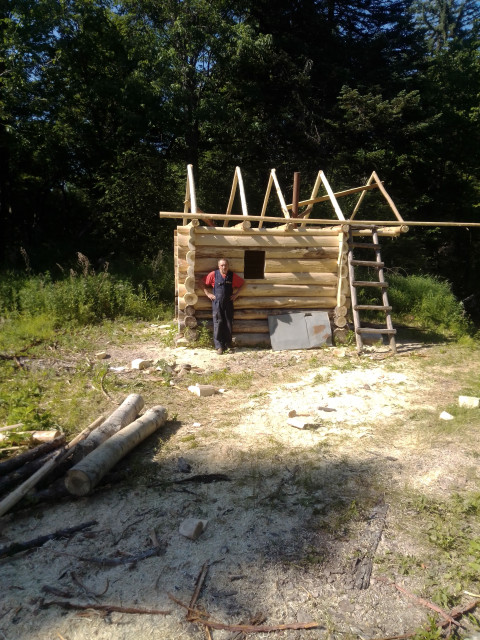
(210, 264)
(260, 241)
(245, 326)
(267, 289)
(190, 299)
(189, 285)
(327, 265)
(254, 314)
(215, 253)
(252, 340)
(382, 231)
(232, 231)
(340, 321)
(298, 278)
(249, 302)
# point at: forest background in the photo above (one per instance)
(103, 103)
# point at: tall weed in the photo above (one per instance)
(81, 297)
(429, 303)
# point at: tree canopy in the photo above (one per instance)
(104, 102)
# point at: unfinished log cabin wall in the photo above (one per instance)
(301, 269)
(287, 267)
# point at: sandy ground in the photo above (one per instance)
(288, 526)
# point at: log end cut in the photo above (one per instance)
(78, 483)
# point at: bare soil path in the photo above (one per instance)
(301, 513)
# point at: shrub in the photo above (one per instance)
(81, 297)
(429, 301)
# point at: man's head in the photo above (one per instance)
(223, 266)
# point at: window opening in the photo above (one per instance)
(254, 265)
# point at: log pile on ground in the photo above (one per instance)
(40, 472)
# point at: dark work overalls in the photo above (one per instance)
(222, 310)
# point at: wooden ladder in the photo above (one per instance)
(378, 265)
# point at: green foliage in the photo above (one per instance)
(22, 404)
(428, 302)
(204, 336)
(82, 297)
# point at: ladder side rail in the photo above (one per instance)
(381, 277)
(353, 294)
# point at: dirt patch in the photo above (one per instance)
(287, 530)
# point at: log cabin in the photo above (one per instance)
(298, 263)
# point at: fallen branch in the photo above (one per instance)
(108, 608)
(87, 591)
(363, 566)
(25, 471)
(198, 587)
(7, 466)
(14, 497)
(115, 562)
(424, 603)
(245, 628)
(459, 611)
(18, 547)
(10, 427)
(257, 619)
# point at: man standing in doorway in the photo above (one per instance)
(222, 286)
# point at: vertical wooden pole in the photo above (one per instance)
(296, 193)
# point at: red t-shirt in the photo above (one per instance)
(209, 280)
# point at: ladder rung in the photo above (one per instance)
(386, 331)
(369, 283)
(372, 307)
(367, 263)
(364, 245)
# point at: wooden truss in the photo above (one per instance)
(191, 211)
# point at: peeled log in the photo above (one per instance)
(252, 340)
(85, 476)
(125, 414)
(284, 302)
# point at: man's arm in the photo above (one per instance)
(207, 285)
(237, 286)
(208, 291)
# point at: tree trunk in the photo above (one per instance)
(87, 474)
(125, 414)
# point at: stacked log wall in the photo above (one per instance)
(305, 269)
